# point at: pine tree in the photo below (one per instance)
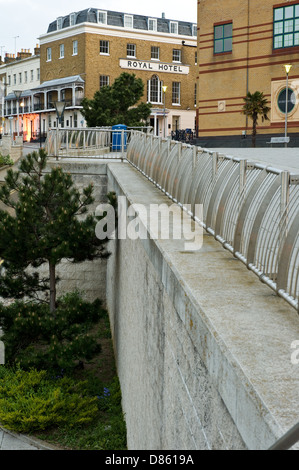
(45, 227)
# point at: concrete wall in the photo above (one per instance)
(7, 147)
(203, 348)
(88, 277)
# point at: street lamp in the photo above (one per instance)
(18, 96)
(287, 69)
(164, 88)
(60, 107)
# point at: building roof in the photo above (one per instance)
(49, 84)
(12, 96)
(60, 81)
(90, 15)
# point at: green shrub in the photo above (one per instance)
(29, 401)
(5, 160)
(35, 339)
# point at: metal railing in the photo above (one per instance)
(89, 141)
(288, 440)
(251, 209)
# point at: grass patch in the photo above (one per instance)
(107, 429)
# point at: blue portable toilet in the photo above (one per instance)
(116, 137)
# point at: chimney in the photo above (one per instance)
(37, 50)
(9, 58)
(24, 54)
(163, 16)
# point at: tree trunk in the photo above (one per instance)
(52, 268)
(254, 131)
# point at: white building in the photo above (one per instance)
(20, 77)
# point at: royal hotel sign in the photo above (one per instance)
(154, 66)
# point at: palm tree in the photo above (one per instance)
(255, 106)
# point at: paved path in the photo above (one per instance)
(280, 158)
(12, 441)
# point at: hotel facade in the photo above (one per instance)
(243, 46)
(91, 48)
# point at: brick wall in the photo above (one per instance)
(252, 65)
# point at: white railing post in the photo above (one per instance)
(122, 145)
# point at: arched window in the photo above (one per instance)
(154, 90)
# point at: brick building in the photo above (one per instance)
(243, 46)
(84, 51)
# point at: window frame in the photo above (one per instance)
(61, 51)
(154, 23)
(133, 47)
(49, 54)
(174, 59)
(104, 13)
(223, 38)
(104, 84)
(72, 19)
(284, 21)
(157, 48)
(176, 94)
(126, 17)
(176, 24)
(102, 41)
(59, 23)
(75, 47)
(290, 93)
(157, 92)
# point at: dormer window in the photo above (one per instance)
(194, 30)
(59, 23)
(128, 21)
(102, 17)
(152, 24)
(174, 27)
(72, 19)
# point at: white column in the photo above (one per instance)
(155, 124)
(73, 95)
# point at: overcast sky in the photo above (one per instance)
(28, 19)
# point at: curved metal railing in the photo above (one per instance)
(98, 141)
(252, 209)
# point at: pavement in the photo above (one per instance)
(12, 441)
(280, 158)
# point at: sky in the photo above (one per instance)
(23, 21)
